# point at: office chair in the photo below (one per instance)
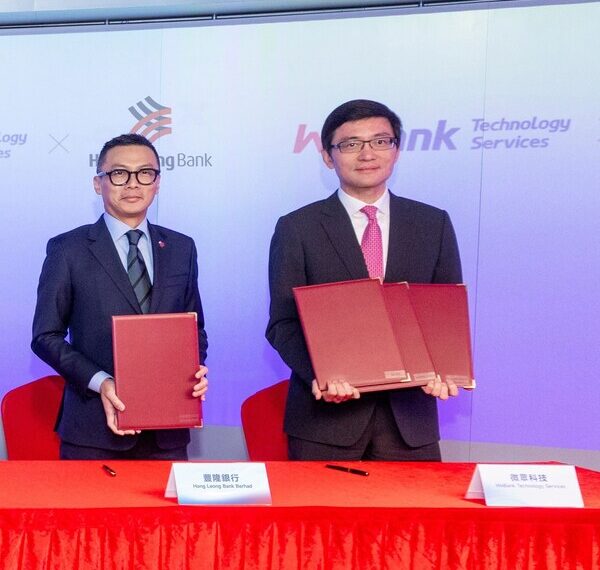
(262, 422)
(28, 416)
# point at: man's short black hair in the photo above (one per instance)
(125, 140)
(356, 110)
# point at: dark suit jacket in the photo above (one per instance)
(82, 285)
(317, 244)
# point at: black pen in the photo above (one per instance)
(110, 471)
(347, 469)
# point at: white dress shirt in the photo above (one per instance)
(359, 219)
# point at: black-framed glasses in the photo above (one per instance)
(356, 145)
(120, 176)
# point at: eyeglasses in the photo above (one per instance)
(355, 145)
(120, 176)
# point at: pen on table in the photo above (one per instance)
(110, 471)
(347, 469)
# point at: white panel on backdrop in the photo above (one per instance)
(539, 258)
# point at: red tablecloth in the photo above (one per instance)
(73, 515)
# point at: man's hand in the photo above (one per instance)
(112, 404)
(337, 392)
(439, 389)
(199, 389)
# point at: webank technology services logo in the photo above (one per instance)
(499, 133)
(9, 141)
(153, 121)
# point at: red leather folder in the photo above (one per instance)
(443, 314)
(156, 357)
(349, 335)
(407, 331)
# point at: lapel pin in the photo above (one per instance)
(161, 244)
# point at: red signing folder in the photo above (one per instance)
(443, 314)
(156, 357)
(407, 331)
(349, 335)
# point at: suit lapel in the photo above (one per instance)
(103, 249)
(338, 227)
(159, 250)
(399, 245)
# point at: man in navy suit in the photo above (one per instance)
(321, 243)
(84, 282)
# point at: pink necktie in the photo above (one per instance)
(371, 243)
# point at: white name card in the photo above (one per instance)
(219, 484)
(515, 485)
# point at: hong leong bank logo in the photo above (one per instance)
(153, 121)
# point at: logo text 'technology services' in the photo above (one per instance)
(8, 142)
(154, 121)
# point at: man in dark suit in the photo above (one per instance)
(361, 230)
(120, 265)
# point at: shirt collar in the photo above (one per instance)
(118, 229)
(354, 205)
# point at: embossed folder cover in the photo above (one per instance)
(156, 357)
(407, 330)
(443, 314)
(350, 336)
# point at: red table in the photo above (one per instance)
(73, 515)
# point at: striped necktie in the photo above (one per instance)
(137, 271)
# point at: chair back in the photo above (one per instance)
(28, 417)
(262, 421)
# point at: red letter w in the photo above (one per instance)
(303, 140)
